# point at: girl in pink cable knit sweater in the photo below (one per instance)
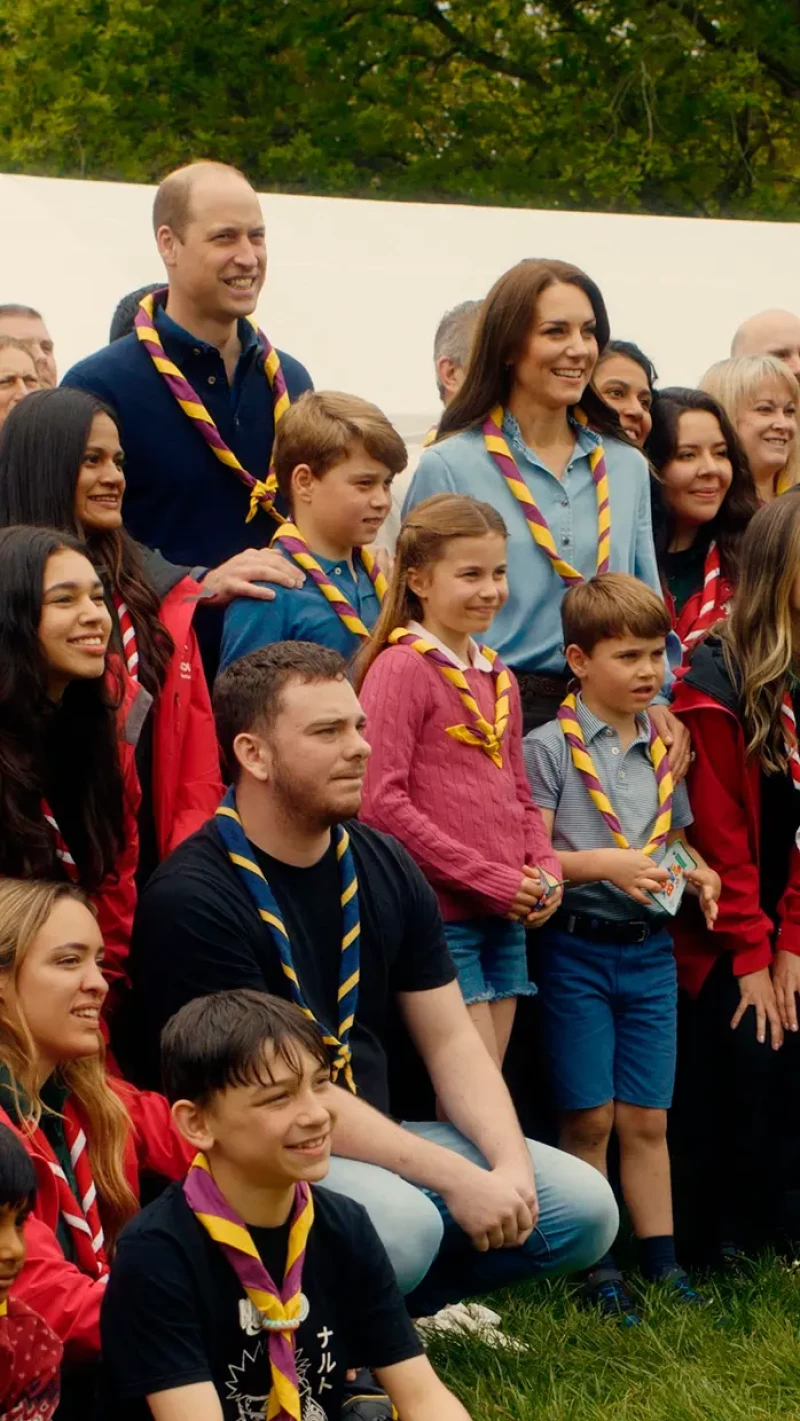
(446, 775)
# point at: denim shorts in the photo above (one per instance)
(489, 954)
(609, 1019)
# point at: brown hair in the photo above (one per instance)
(25, 906)
(614, 604)
(247, 693)
(422, 541)
(760, 641)
(218, 1041)
(320, 430)
(504, 322)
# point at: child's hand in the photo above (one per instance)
(530, 890)
(635, 873)
(550, 900)
(707, 885)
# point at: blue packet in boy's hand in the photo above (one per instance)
(677, 861)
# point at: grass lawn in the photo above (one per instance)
(739, 1360)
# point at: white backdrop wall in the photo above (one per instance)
(355, 288)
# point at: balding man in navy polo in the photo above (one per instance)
(180, 497)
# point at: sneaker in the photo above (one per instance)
(733, 1259)
(471, 1319)
(681, 1289)
(364, 1400)
(611, 1298)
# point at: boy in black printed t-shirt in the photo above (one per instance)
(243, 1291)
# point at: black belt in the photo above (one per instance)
(603, 929)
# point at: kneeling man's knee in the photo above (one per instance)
(413, 1238)
(596, 1219)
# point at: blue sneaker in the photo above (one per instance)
(609, 1295)
(681, 1289)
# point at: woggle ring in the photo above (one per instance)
(287, 1324)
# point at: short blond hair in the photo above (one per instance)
(320, 430)
(735, 382)
(611, 605)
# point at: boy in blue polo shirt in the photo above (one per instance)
(607, 979)
(335, 458)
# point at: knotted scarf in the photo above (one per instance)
(584, 764)
(281, 1309)
(240, 853)
(789, 727)
(495, 442)
(713, 606)
(487, 737)
(262, 492)
(62, 852)
(290, 538)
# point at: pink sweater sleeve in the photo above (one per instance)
(539, 851)
(394, 697)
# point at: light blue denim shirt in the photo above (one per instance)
(527, 632)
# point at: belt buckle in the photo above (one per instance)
(642, 934)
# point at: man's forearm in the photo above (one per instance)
(475, 1098)
(362, 1133)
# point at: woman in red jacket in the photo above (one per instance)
(89, 1136)
(61, 466)
(703, 498)
(68, 788)
(740, 699)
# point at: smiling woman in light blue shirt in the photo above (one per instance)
(541, 329)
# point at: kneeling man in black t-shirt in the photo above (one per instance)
(244, 1291)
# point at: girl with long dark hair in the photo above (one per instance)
(61, 466)
(741, 702)
(68, 788)
(528, 434)
(703, 498)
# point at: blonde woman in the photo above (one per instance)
(740, 700)
(89, 1136)
(760, 396)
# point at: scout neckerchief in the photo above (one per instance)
(784, 482)
(496, 444)
(789, 727)
(81, 1213)
(713, 604)
(127, 632)
(431, 436)
(582, 760)
(240, 853)
(262, 493)
(291, 539)
(281, 1309)
(487, 737)
(62, 852)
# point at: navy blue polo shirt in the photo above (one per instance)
(180, 498)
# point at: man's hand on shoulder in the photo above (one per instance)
(239, 575)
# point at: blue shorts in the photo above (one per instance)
(490, 959)
(609, 1018)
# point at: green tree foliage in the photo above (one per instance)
(671, 106)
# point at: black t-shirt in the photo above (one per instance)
(684, 572)
(197, 931)
(175, 1313)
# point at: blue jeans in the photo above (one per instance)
(435, 1261)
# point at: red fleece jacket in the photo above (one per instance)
(725, 794)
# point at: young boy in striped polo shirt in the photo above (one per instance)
(607, 978)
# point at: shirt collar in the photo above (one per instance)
(248, 336)
(585, 438)
(477, 660)
(592, 725)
